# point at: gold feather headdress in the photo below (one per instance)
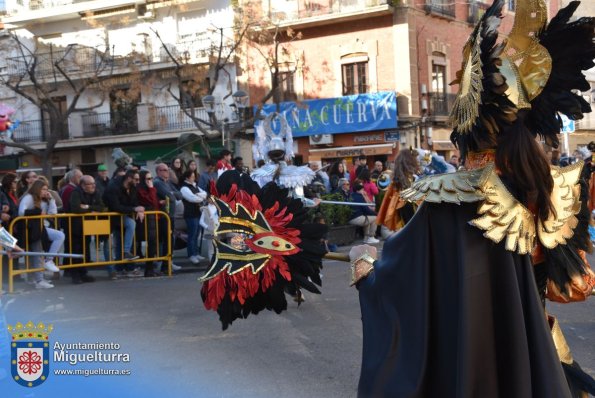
(535, 68)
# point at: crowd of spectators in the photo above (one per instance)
(177, 188)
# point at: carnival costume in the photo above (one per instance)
(264, 246)
(394, 211)
(452, 308)
(277, 149)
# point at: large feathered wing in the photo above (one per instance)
(482, 107)
(263, 248)
(572, 50)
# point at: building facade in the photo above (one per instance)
(412, 48)
(137, 105)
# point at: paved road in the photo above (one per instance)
(177, 347)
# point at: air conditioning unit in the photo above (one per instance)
(321, 139)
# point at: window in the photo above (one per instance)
(355, 78)
(511, 5)
(191, 93)
(438, 79)
(438, 97)
(286, 87)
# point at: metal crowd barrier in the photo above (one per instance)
(86, 226)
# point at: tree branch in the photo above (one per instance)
(20, 145)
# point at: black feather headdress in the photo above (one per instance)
(263, 248)
(538, 67)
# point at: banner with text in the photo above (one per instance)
(353, 113)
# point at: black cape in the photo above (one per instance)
(449, 313)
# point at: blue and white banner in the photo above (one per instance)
(363, 112)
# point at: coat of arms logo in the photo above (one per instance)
(30, 347)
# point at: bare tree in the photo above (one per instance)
(40, 73)
(250, 30)
(188, 78)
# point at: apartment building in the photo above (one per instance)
(136, 107)
(351, 48)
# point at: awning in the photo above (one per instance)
(349, 151)
(39, 169)
(443, 146)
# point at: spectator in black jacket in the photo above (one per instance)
(102, 179)
(8, 199)
(120, 197)
(84, 199)
(170, 195)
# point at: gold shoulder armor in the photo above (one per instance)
(504, 217)
(462, 186)
(566, 200)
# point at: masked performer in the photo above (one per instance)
(277, 149)
(264, 247)
(452, 308)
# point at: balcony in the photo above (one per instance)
(444, 8)
(30, 131)
(196, 48)
(288, 10)
(73, 59)
(588, 123)
(476, 11)
(108, 123)
(167, 118)
(441, 105)
(148, 118)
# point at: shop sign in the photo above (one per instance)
(351, 152)
(368, 139)
(348, 114)
(392, 136)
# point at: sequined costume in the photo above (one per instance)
(452, 308)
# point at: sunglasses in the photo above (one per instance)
(149, 178)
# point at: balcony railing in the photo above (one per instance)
(173, 118)
(298, 9)
(441, 104)
(441, 7)
(74, 59)
(476, 10)
(30, 131)
(588, 123)
(22, 5)
(153, 118)
(108, 123)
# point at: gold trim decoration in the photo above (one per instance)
(504, 217)
(361, 268)
(560, 342)
(465, 109)
(525, 63)
(501, 215)
(462, 186)
(566, 201)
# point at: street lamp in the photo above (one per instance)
(241, 103)
(208, 102)
(241, 99)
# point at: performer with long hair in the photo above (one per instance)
(394, 211)
(452, 308)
